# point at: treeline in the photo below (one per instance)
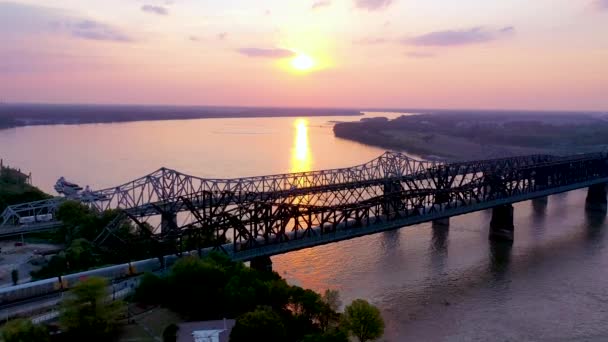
(518, 129)
(12, 115)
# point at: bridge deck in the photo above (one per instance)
(345, 233)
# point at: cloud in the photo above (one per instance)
(222, 36)
(159, 10)
(266, 53)
(93, 30)
(601, 5)
(420, 54)
(473, 35)
(321, 3)
(21, 21)
(370, 41)
(372, 5)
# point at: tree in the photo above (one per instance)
(87, 314)
(197, 288)
(329, 315)
(363, 320)
(23, 330)
(15, 276)
(170, 333)
(151, 289)
(263, 324)
(332, 298)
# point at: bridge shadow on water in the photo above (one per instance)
(595, 220)
(500, 258)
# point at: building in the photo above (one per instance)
(207, 331)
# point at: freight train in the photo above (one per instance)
(39, 288)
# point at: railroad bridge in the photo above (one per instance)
(268, 215)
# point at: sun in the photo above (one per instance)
(302, 63)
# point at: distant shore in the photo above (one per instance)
(462, 135)
(17, 115)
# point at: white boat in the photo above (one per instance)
(66, 188)
(89, 195)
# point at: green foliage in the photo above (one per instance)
(263, 324)
(329, 316)
(363, 320)
(215, 287)
(198, 288)
(170, 333)
(87, 315)
(79, 221)
(23, 330)
(334, 335)
(14, 189)
(81, 226)
(150, 290)
(79, 256)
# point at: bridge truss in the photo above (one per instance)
(260, 223)
(266, 215)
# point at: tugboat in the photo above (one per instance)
(66, 188)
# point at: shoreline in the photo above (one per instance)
(474, 137)
(14, 116)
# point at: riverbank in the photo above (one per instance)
(16, 187)
(16, 115)
(476, 135)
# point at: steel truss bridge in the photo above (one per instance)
(267, 215)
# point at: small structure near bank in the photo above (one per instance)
(206, 331)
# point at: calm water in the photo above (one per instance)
(431, 284)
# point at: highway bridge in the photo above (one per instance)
(267, 215)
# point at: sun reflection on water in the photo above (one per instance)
(300, 154)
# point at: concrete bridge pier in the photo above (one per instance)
(596, 198)
(262, 264)
(441, 223)
(168, 221)
(501, 225)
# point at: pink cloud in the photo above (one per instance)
(321, 3)
(266, 53)
(372, 5)
(473, 35)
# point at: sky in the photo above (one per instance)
(492, 54)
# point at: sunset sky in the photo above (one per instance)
(540, 54)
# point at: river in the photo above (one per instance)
(432, 284)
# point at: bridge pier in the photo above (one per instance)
(501, 225)
(596, 198)
(262, 264)
(441, 223)
(168, 221)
